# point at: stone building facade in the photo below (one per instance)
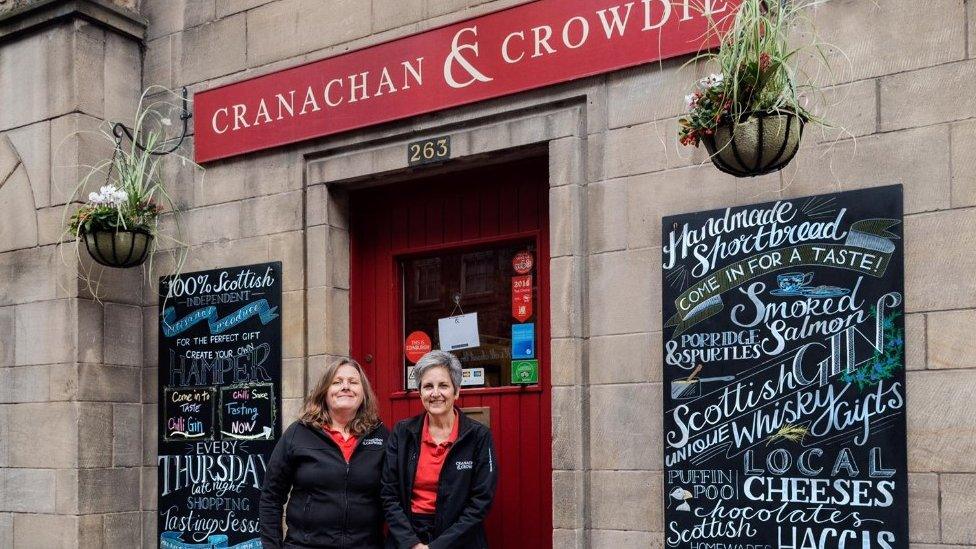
(78, 375)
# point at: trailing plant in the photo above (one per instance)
(757, 67)
(133, 195)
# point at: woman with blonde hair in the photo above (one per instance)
(328, 466)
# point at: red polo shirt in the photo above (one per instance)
(432, 455)
(347, 446)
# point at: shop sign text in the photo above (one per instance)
(521, 48)
(784, 375)
(219, 393)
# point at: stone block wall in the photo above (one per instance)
(70, 365)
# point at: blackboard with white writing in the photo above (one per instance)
(784, 375)
(219, 403)
(189, 413)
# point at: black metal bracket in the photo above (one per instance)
(120, 130)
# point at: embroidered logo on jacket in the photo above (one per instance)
(462, 465)
(373, 442)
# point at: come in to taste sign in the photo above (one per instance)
(784, 382)
(219, 403)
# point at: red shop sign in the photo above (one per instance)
(522, 297)
(521, 48)
(416, 346)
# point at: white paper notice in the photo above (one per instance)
(458, 332)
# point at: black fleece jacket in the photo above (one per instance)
(465, 488)
(333, 504)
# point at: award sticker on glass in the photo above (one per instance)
(523, 340)
(523, 262)
(416, 346)
(525, 371)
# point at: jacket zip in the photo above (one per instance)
(345, 482)
(345, 488)
(308, 498)
(440, 475)
(345, 504)
(415, 458)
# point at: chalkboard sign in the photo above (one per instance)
(219, 402)
(784, 380)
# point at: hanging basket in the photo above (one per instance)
(762, 143)
(120, 249)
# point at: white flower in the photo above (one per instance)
(711, 81)
(690, 100)
(109, 194)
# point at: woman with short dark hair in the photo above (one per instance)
(440, 474)
(330, 462)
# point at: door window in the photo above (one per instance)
(497, 283)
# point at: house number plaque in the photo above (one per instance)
(428, 151)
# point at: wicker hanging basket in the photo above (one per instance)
(761, 143)
(119, 249)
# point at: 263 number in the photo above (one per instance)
(430, 150)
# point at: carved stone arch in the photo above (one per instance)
(18, 209)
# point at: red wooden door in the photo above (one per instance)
(414, 248)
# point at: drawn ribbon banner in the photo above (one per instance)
(868, 235)
(173, 327)
(171, 540)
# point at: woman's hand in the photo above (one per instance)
(419, 546)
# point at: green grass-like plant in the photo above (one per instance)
(757, 66)
(134, 195)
